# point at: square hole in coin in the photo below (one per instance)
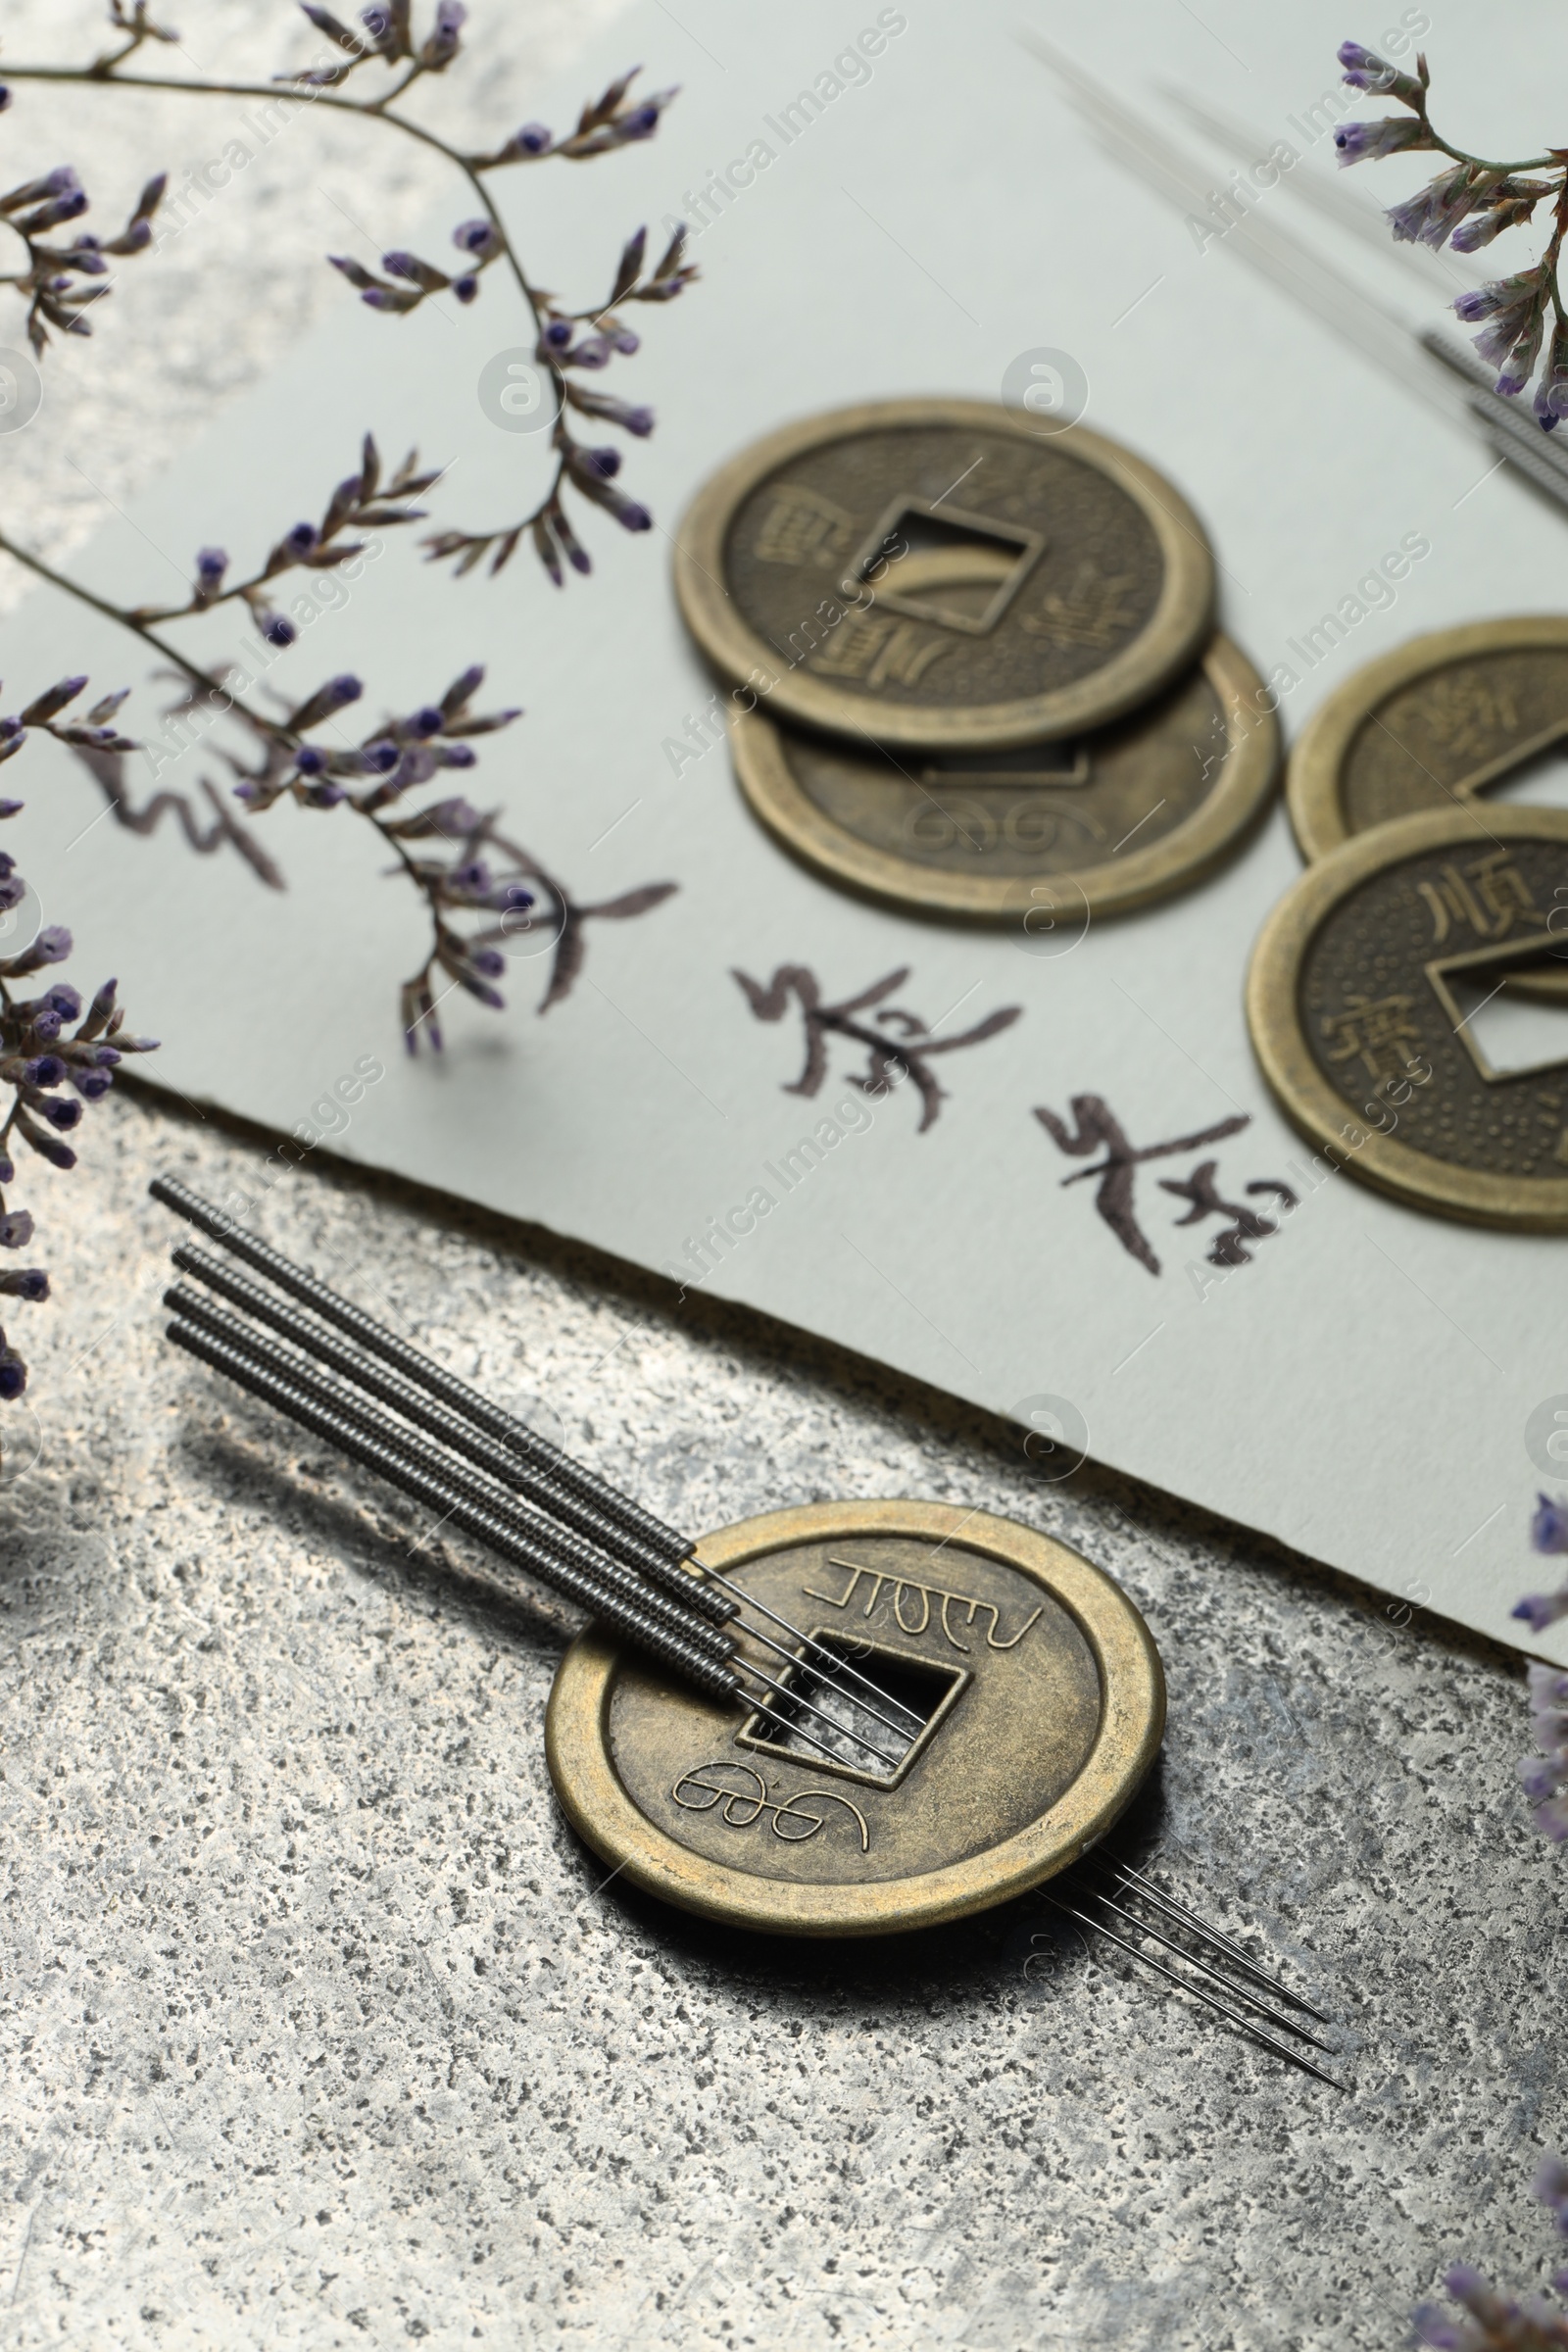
(908, 1692)
(945, 565)
(1508, 1006)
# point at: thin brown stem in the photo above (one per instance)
(377, 111)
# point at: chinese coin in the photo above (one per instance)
(1370, 1002)
(1133, 812)
(1037, 1683)
(940, 573)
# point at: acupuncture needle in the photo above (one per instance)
(1281, 2049)
(455, 1430)
(1191, 1920)
(644, 1543)
(859, 1739)
(262, 1351)
(1206, 1968)
(793, 1631)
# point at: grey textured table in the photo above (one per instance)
(319, 2027)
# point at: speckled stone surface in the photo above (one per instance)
(317, 2026)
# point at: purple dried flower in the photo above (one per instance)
(62, 1113)
(13, 1376)
(1430, 216)
(45, 1069)
(301, 539)
(575, 553)
(63, 1000)
(211, 565)
(457, 755)
(641, 122)
(52, 945)
(324, 796)
(15, 1228)
(466, 288)
(428, 722)
(1549, 1528)
(635, 420)
(1364, 70)
(627, 342)
(1370, 142)
(627, 512)
(1551, 393)
(558, 334)
(278, 629)
(476, 237)
(532, 139)
(49, 216)
(380, 759)
(27, 1282)
(1538, 1610)
(308, 760)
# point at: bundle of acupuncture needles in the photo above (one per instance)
(1102, 1888)
(334, 1370)
(493, 1475)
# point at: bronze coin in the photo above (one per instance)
(937, 573)
(1135, 812)
(1363, 997)
(1039, 1684)
(1435, 724)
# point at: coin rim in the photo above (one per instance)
(1528, 1203)
(1184, 855)
(1131, 1727)
(1181, 620)
(1313, 775)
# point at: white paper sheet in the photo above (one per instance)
(1362, 1389)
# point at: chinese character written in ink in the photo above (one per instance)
(1487, 896)
(1375, 1028)
(1228, 1249)
(1096, 1128)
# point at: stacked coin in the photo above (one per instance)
(972, 662)
(1425, 901)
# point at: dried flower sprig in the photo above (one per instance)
(1466, 207)
(461, 867)
(566, 342)
(479, 870)
(359, 503)
(138, 25)
(51, 282)
(1495, 2323)
(48, 1044)
(1548, 1534)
